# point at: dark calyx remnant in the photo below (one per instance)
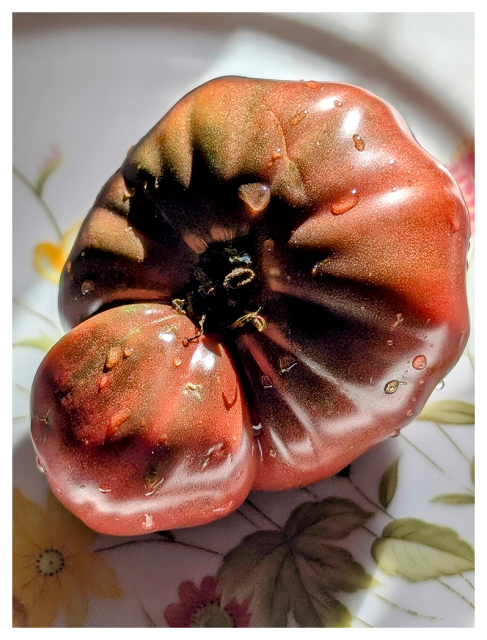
(224, 293)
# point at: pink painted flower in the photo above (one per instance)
(462, 168)
(202, 607)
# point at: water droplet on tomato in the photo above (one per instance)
(440, 385)
(345, 203)
(104, 488)
(151, 484)
(272, 452)
(390, 343)
(256, 196)
(409, 412)
(39, 466)
(421, 381)
(395, 433)
(299, 117)
(266, 382)
(257, 429)
(127, 352)
(87, 287)
(419, 362)
(287, 362)
(102, 382)
(312, 84)
(337, 103)
(112, 358)
(359, 143)
(392, 386)
(177, 361)
(148, 521)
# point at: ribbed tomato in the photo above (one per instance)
(272, 282)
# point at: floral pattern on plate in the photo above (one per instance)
(322, 556)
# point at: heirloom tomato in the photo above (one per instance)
(272, 283)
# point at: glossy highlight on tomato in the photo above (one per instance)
(272, 283)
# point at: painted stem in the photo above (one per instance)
(245, 517)
(36, 313)
(158, 541)
(49, 213)
(398, 606)
(264, 515)
(369, 500)
(452, 441)
(456, 593)
(467, 581)
(434, 464)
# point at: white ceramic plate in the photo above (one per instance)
(85, 89)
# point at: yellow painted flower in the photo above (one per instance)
(53, 565)
(49, 258)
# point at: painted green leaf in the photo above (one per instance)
(418, 550)
(388, 484)
(312, 604)
(329, 567)
(255, 569)
(454, 498)
(47, 170)
(333, 518)
(297, 570)
(472, 470)
(449, 412)
(42, 342)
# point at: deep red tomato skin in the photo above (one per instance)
(359, 241)
(137, 432)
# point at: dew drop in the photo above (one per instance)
(127, 352)
(272, 452)
(39, 466)
(390, 343)
(419, 362)
(148, 521)
(287, 362)
(177, 361)
(440, 385)
(87, 287)
(299, 117)
(312, 84)
(394, 188)
(337, 103)
(345, 203)
(256, 196)
(104, 488)
(112, 358)
(421, 381)
(266, 382)
(424, 336)
(102, 382)
(392, 386)
(395, 433)
(359, 143)
(257, 429)
(152, 483)
(69, 267)
(409, 412)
